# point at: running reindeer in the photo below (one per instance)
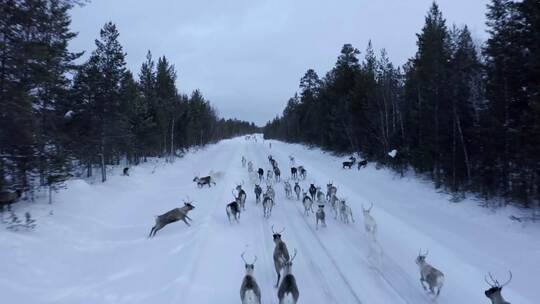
(277, 174)
(334, 203)
(350, 163)
(268, 204)
(429, 274)
(288, 290)
(243, 162)
(269, 175)
(250, 166)
(494, 293)
(258, 192)
(308, 204)
(294, 173)
(312, 191)
(288, 189)
(241, 196)
(369, 222)
(320, 216)
(331, 190)
(250, 293)
(297, 190)
(281, 254)
(270, 191)
(260, 172)
(362, 164)
(233, 209)
(205, 180)
(320, 195)
(345, 212)
(302, 171)
(172, 216)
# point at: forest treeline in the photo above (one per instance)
(57, 115)
(466, 115)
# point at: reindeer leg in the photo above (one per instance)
(185, 221)
(422, 282)
(153, 228)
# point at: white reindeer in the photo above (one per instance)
(429, 274)
(369, 222)
(345, 212)
(250, 293)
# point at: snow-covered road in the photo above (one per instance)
(94, 247)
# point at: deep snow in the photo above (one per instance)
(93, 248)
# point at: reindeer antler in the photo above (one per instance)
(370, 207)
(294, 254)
(277, 232)
(509, 279)
(242, 255)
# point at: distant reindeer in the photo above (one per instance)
(250, 293)
(268, 204)
(250, 166)
(362, 164)
(9, 197)
(320, 217)
(429, 274)
(233, 210)
(345, 212)
(308, 204)
(258, 192)
(331, 190)
(281, 254)
(291, 160)
(494, 293)
(369, 222)
(288, 290)
(205, 180)
(320, 195)
(303, 172)
(350, 163)
(297, 190)
(242, 196)
(172, 216)
(243, 162)
(277, 174)
(288, 189)
(312, 191)
(261, 174)
(294, 173)
(125, 172)
(269, 175)
(335, 202)
(270, 191)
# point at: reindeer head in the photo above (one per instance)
(189, 206)
(287, 266)
(366, 211)
(238, 187)
(196, 179)
(277, 235)
(496, 287)
(421, 258)
(249, 266)
(321, 207)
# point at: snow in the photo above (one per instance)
(392, 153)
(94, 248)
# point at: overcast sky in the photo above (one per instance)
(247, 56)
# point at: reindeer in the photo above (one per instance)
(270, 191)
(345, 212)
(294, 173)
(281, 254)
(369, 222)
(172, 216)
(308, 204)
(205, 180)
(350, 163)
(233, 210)
(243, 162)
(241, 196)
(250, 293)
(312, 191)
(320, 217)
(429, 274)
(261, 173)
(288, 189)
(494, 293)
(291, 160)
(320, 195)
(277, 174)
(334, 202)
(288, 290)
(331, 190)
(269, 175)
(303, 172)
(8, 198)
(250, 166)
(268, 204)
(258, 192)
(125, 172)
(297, 190)
(362, 164)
